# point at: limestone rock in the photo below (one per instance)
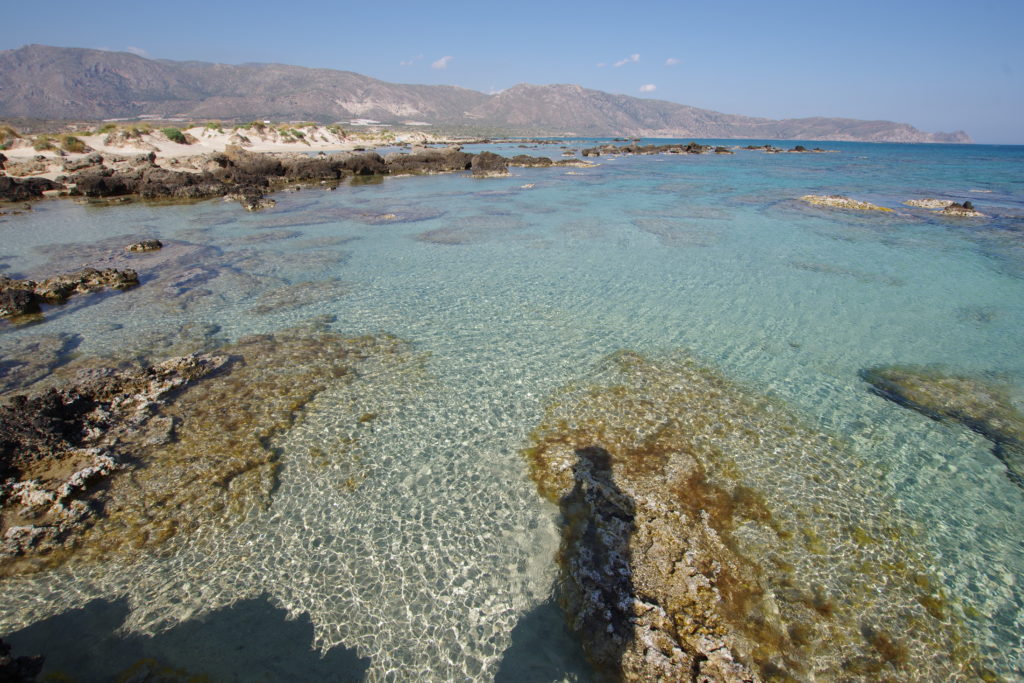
(929, 203)
(840, 202)
(965, 210)
(984, 407)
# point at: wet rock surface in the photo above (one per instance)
(633, 148)
(145, 245)
(22, 297)
(982, 406)
(58, 448)
(23, 189)
(708, 535)
(117, 461)
(489, 165)
(964, 210)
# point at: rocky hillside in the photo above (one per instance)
(39, 81)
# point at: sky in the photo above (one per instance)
(938, 65)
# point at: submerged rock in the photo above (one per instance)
(18, 669)
(19, 297)
(57, 447)
(981, 406)
(707, 534)
(114, 462)
(840, 202)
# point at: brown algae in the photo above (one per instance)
(757, 546)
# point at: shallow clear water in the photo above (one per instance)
(439, 563)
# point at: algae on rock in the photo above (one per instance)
(708, 532)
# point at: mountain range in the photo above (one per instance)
(45, 82)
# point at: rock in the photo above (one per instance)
(723, 150)
(3, 160)
(429, 161)
(685, 553)
(18, 669)
(965, 210)
(840, 202)
(22, 189)
(489, 165)
(27, 167)
(94, 159)
(981, 406)
(55, 446)
(24, 296)
(15, 301)
(145, 245)
(529, 161)
(929, 203)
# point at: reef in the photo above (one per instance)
(633, 148)
(929, 203)
(709, 535)
(23, 297)
(118, 461)
(982, 406)
(840, 202)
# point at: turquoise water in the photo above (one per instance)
(439, 565)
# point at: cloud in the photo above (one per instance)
(602, 64)
(650, 87)
(410, 61)
(442, 63)
(136, 51)
(632, 58)
(672, 61)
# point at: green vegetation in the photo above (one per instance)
(336, 130)
(106, 129)
(7, 136)
(42, 143)
(175, 135)
(69, 143)
(215, 126)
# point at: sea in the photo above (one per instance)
(404, 538)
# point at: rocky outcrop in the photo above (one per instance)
(929, 203)
(22, 669)
(20, 297)
(57, 447)
(23, 189)
(145, 245)
(981, 406)
(429, 161)
(836, 201)
(530, 162)
(965, 210)
(687, 553)
(633, 148)
(489, 165)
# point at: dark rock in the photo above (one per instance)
(723, 150)
(145, 245)
(429, 161)
(18, 669)
(18, 297)
(21, 189)
(799, 148)
(529, 161)
(3, 160)
(15, 301)
(489, 165)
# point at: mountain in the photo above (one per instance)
(43, 82)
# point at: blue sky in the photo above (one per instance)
(937, 65)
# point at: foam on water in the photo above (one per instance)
(416, 536)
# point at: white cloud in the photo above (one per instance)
(136, 51)
(632, 58)
(650, 87)
(602, 64)
(410, 61)
(442, 63)
(672, 61)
